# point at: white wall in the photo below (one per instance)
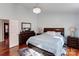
(19, 13)
(14, 31)
(22, 15)
(62, 20)
(77, 24)
(7, 11)
(25, 14)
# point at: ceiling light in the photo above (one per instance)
(36, 10)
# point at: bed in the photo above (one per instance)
(47, 44)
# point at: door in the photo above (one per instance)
(6, 34)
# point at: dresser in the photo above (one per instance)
(73, 42)
(24, 36)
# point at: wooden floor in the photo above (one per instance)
(14, 51)
(72, 52)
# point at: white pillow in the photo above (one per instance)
(51, 33)
(58, 33)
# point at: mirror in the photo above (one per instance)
(25, 26)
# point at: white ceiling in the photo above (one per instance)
(54, 7)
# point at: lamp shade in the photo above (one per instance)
(73, 29)
(36, 10)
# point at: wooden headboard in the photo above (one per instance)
(55, 29)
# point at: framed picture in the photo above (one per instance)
(25, 26)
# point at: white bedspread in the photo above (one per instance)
(53, 44)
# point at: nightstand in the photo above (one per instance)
(73, 42)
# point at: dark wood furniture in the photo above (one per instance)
(73, 42)
(44, 51)
(24, 36)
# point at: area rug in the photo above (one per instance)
(29, 52)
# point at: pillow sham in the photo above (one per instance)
(58, 33)
(51, 32)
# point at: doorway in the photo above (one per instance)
(6, 34)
